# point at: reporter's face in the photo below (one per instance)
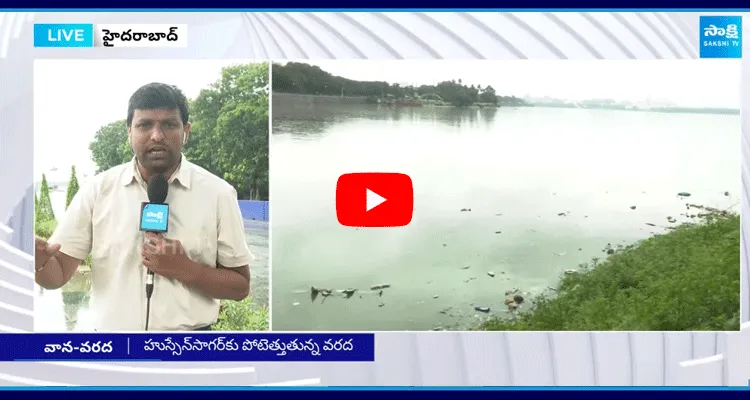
(156, 137)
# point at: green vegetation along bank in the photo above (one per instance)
(300, 78)
(685, 280)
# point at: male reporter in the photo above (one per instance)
(201, 259)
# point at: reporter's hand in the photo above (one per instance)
(44, 251)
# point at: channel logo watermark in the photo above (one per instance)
(110, 35)
(720, 37)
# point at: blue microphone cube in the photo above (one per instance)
(154, 217)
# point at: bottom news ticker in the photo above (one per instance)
(357, 347)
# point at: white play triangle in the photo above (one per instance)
(373, 200)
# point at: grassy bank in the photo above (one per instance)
(686, 279)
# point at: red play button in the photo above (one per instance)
(374, 199)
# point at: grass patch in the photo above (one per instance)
(44, 229)
(242, 316)
(687, 279)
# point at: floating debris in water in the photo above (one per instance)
(650, 224)
(683, 194)
(498, 215)
(445, 310)
(491, 274)
(378, 287)
(632, 207)
(571, 271)
(726, 193)
(314, 292)
(562, 214)
(466, 267)
(295, 303)
(561, 254)
(381, 304)
(445, 244)
(498, 232)
(465, 209)
(482, 309)
(435, 296)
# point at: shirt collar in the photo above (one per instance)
(181, 175)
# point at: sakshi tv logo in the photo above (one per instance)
(155, 215)
(720, 37)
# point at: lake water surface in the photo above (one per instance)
(517, 170)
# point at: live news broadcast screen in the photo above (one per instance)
(386, 199)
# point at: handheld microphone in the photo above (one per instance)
(154, 218)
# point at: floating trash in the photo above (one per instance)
(683, 194)
(378, 287)
(482, 309)
(491, 274)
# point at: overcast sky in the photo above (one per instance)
(74, 98)
(699, 83)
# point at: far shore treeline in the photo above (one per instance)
(300, 78)
(306, 79)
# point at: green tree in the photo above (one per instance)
(72, 187)
(230, 129)
(44, 211)
(488, 95)
(110, 146)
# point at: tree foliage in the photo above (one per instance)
(72, 187)
(229, 135)
(110, 146)
(44, 211)
(303, 78)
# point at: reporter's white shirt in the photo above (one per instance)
(103, 219)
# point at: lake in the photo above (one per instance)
(67, 309)
(548, 189)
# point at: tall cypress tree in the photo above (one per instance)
(72, 187)
(44, 211)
